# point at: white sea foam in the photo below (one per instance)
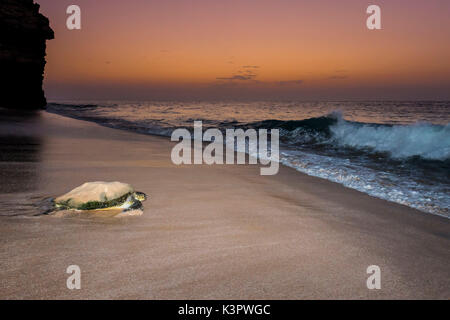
(384, 185)
(400, 141)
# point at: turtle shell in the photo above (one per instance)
(95, 195)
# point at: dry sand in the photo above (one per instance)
(207, 232)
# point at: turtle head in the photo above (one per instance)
(140, 196)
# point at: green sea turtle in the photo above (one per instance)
(100, 196)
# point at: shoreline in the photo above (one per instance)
(208, 232)
(280, 163)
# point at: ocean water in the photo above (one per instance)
(398, 151)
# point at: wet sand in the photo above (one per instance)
(207, 232)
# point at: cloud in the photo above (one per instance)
(340, 74)
(287, 82)
(338, 77)
(244, 73)
(247, 73)
(238, 77)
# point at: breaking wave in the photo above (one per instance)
(427, 141)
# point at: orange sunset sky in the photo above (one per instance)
(255, 49)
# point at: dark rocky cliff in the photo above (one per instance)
(23, 35)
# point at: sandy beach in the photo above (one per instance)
(207, 232)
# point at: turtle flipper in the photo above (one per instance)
(137, 205)
(48, 207)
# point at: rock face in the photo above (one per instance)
(23, 35)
